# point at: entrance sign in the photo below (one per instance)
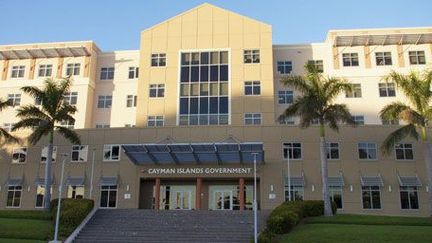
(198, 171)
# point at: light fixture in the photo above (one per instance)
(313, 188)
(271, 188)
(351, 188)
(390, 188)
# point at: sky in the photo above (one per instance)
(116, 25)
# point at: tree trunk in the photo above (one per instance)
(427, 152)
(48, 174)
(324, 173)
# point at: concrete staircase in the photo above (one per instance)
(134, 225)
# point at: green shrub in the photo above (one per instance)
(266, 237)
(73, 212)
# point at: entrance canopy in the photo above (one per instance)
(195, 153)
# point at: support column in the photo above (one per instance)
(198, 193)
(157, 194)
(335, 57)
(5, 70)
(59, 73)
(367, 57)
(32, 68)
(401, 59)
(241, 193)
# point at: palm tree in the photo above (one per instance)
(317, 105)
(3, 133)
(415, 112)
(44, 120)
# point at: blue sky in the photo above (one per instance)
(116, 25)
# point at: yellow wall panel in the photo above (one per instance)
(205, 28)
(252, 40)
(174, 28)
(204, 41)
(220, 41)
(220, 27)
(189, 42)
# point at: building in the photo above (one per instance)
(177, 123)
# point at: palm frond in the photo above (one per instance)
(31, 111)
(3, 104)
(28, 123)
(396, 136)
(336, 114)
(40, 131)
(69, 134)
(398, 110)
(35, 92)
(8, 137)
(64, 113)
(297, 82)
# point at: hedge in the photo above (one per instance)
(72, 213)
(286, 216)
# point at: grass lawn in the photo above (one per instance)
(361, 228)
(24, 226)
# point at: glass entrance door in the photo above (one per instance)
(223, 199)
(182, 200)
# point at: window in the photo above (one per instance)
(350, 59)
(19, 155)
(332, 150)
(14, 99)
(131, 101)
(44, 154)
(359, 120)
(73, 69)
(251, 56)
(75, 192)
(387, 90)
(158, 60)
(367, 151)
(292, 151)
(79, 153)
(38, 102)
(409, 197)
(14, 197)
(102, 126)
(252, 88)
(8, 126)
(252, 118)
(383, 58)
(111, 152)
(204, 88)
(318, 64)
(284, 67)
(40, 192)
(297, 193)
(17, 71)
(129, 125)
(155, 121)
(335, 193)
(133, 72)
(417, 57)
(371, 197)
(285, 97)
(404, 151)
(157, 90)
(287, 121)
(355, 92)
(70, 98)
(68, 124)
(108, 197)
(104, 101)
(107, 73)
(45, 70)
(390, 122)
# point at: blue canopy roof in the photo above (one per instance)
(195, 153)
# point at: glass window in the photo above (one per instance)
(336, 196)
(158, 60)
(350, 59)
(107, 73)
(155, 121)
(133, 72)
(359, 120)
(18, 71)
(73, 69)
(387, 89)
(108, 198)
(284, 67)
(287, 121)
(40, 192)
(157, 90)
(68, 124)
(383, 58)
(252, 119)
(252, 88)
(355, 91)
(79, 153)
(8, 126)
(285, 97)
(44, 154)
(417, 57)
(70, 98)
(332, 150)
(14, 99)
(104, 101)
(131, 101)
(292, 151)
(367, 151)
(297, 193)
(371, 197)
(111, 152)
(404, 151)
(75, 192)
(251, 56)
(318, 64)
(390, 122)
(102, 125)
(14, 196)
(45, 70)
(409, 197)
(19, 155)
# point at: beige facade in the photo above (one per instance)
(166, 89)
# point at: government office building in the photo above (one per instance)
(179, 123)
